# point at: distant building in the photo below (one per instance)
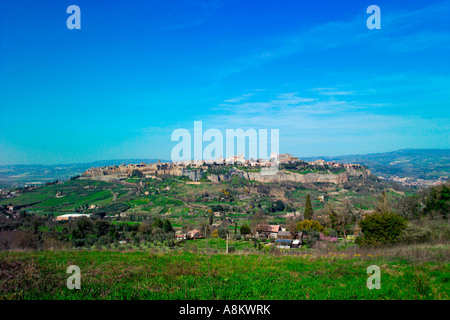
(194, 234)
(284, 239)
(267, 231)
(296, 244)
(71, 216)
(286, 158)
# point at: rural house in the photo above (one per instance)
(284, 239)
(194, 234)
(264, 231)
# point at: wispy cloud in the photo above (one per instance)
(325, 119)
(240, 98)
(402, 31)
(333, 92)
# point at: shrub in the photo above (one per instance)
(381, 228)
(306, 225)
(245, 229)
(413, 234)
(136, 174)
(279, 205)
(438, 201)
(222, 232)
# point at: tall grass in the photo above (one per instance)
(420, 272)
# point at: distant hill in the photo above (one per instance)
(429, 164)
(11, 175)
(426, 164)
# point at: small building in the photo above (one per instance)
(265, 231)
(214, 226)
(71, 216)
(296, 244)
(180, 236)
(194, 234)
(321, 198)
(284, 239)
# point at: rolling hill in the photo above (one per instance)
(426, 164)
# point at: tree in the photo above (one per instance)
(438, 201)
(409, 207)
(113, 234)
(279, 205)
(82, 227)
(258, 219)
(383, 204)
(307, 225)
(291, 225)
(346, 217)
(157, 223)
(211, 219)
(309, 212)
(381, 228)
(145, 228)
(101, 228)
(332, 214)
(167, 226)
(341, 217)
(222, 231)
(136, 174)
(245, 229)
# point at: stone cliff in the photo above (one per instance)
(282, 175)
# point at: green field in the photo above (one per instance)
(419, 272)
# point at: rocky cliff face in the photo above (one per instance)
(358, 173)
(296, 177)
(293, 177)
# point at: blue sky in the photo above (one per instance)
(138, 70)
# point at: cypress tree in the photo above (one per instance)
(211, 219)
(308, 208)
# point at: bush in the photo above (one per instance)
(414, 234)
(381, 228)
(222, 231)
(136, 174)
(245, 229)
(438, 201)
(306, 225)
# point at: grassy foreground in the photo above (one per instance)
(420, 272)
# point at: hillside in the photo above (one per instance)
(428, 164)
(189, 204)
(11, 175)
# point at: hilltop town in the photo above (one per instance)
(284, 167)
